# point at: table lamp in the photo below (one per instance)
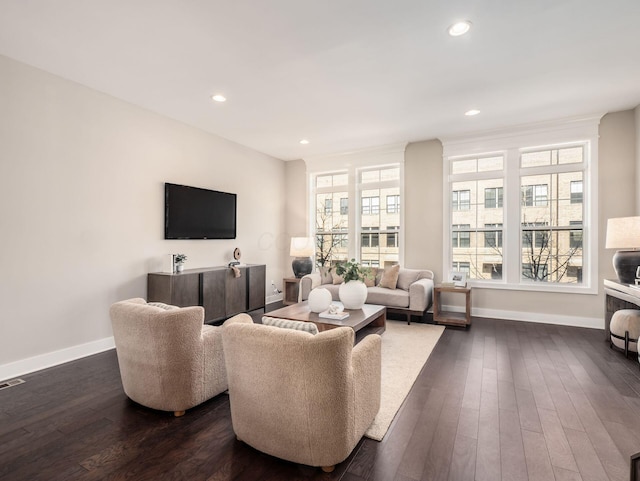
(623, 233)
(302, 248)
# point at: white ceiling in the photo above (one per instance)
(345, 74)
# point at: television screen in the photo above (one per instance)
(193, 213)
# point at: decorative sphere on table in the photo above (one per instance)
(319, 299)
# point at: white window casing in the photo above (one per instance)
(512, 143)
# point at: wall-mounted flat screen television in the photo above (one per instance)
(194, 213)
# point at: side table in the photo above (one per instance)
(290, 286)
(462, 319)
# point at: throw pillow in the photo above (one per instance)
(390, 277)
(309, 327)
(406, 277)
(336, 278)
(325, 276)
(370, 279)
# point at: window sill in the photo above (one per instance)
(534, 287)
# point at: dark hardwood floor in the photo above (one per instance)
(503, 400)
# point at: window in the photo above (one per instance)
(548, 241)
(344, 206)
(393, 204)
(493, 238)
(476, 231)
(532, 221)
(535, 272)
(534, 195)
(461, 236)
(359, 226)
(379, 244)
(575, 236)
(331, 228)
(392, 237)
(492, 271)
(328, 206)
(461, 267)
(370, 205)
(576, 192)
(370, 239)
(461, 200)
(492, 197)
(534, 238)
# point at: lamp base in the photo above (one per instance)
(302, 266)
(626, 264)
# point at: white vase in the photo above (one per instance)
(319, 299)
(179, 267)
(353, 294)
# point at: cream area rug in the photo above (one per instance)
(405, 349)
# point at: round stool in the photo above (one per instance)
(625, 330)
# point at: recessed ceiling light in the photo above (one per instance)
(219, 98)
(472, 112)
(304, 141)
(459, 28)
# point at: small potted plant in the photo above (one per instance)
(353, 292)
(179, 260)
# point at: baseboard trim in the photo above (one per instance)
(50, 359)
(274, 298)
(573, 321)
(55, 358)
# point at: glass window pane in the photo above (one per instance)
(571, 155)
(370, 176)
(390, 174)
(465, 166)
(535, 159)
(340, 180)
(489, 164)
(324, 181)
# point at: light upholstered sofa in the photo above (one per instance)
(169, 359)
(412, 294)
(301, 397)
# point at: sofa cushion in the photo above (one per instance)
(334, 289)
(390, 277)
(309, 327)
(406, 277)
(336, 278)
(387, 297)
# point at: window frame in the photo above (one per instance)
(352, 164)
(512, 143)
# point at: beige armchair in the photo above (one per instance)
(301, 397)
(169, 360)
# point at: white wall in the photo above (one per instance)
(81, 210)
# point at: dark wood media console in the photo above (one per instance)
(215, 288)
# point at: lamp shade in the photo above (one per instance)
(302, 247)
(624, 233)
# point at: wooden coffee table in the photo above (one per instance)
(371, 319)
